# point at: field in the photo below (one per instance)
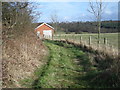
(68, 66)
(111, 38)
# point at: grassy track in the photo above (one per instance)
(67, 67)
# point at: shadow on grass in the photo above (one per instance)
(36, 84)
(95, 76)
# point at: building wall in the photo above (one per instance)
(44, 27)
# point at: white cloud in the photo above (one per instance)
(108, 12)
(66, 18)
(83, 14)
(67, 11)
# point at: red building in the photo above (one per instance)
(44, 30)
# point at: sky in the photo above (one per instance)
(74, 11)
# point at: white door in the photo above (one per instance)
(47, 33)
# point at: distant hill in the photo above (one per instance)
(110, 24)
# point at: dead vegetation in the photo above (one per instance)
(22, 52)
(21, 57)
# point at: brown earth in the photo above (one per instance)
(21, 56)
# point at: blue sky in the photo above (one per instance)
(74, 11)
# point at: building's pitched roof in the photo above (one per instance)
(43, 24)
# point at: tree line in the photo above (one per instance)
(88, 27)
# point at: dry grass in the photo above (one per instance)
(21, 57)
(111, 46)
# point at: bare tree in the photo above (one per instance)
(97, 8)
(54, 19)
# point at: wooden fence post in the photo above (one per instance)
(105, 42)
(80, 39)
(65, 37)
(89, 40)
(68, 38)
(60, 37)
(73, 37)
(98, 43)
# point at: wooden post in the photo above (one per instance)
(89, 40)
(66, 37)
(60, 36)
(73, 37)
(105, 42)
(80, 39)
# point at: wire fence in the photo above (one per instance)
(90, 41)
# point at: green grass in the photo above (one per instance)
(61, 70)
(30, 82)
(112, 38)
(68, 67)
